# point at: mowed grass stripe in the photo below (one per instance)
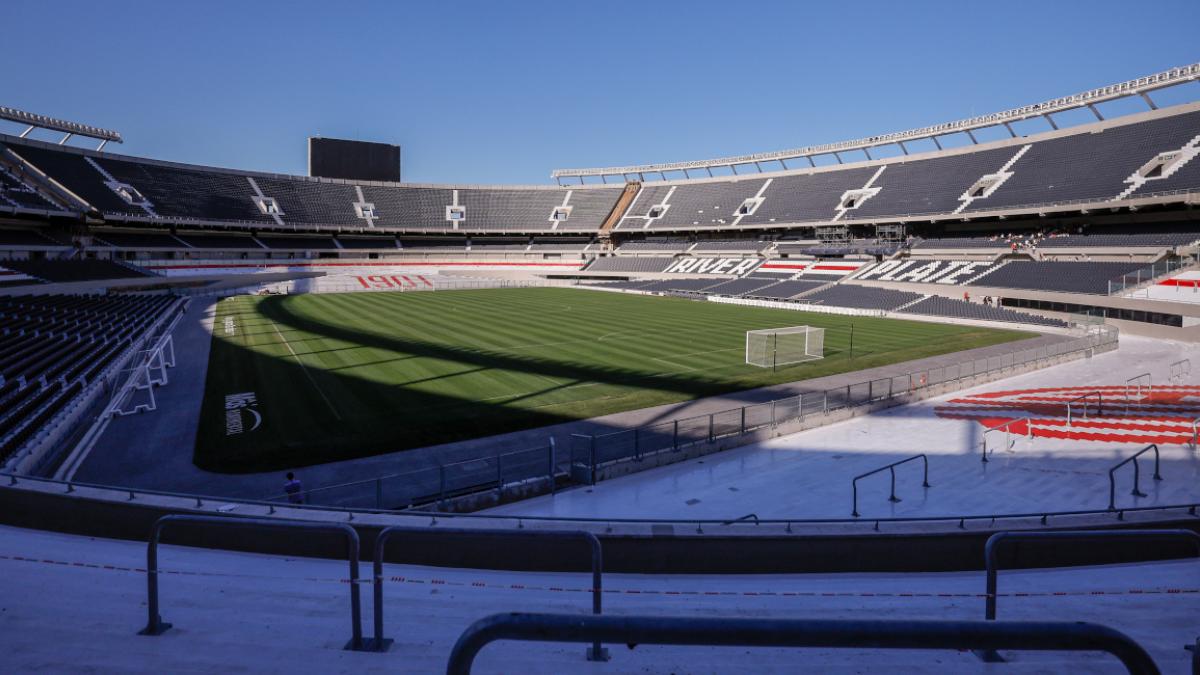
(407, 370)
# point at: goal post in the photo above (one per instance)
(773, 347)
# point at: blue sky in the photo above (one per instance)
(504, 92)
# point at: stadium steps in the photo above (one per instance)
(973, 279)
(618, 212)
(906, 305)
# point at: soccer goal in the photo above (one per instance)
(773, 347)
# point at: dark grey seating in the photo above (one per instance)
(738, 287)
(300, 243)
(138, 240)
(630, 264)
(962, 243)
(1160, 239)
(730, 245)
(1066, 277)
(219, 241)
(861, 297)
(1089, 166)
(939, 306)
(367, 242)
(51, 346)
(654, 245)
(74, 270)
(783, 290)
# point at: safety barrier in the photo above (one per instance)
(1137, 474)
(995, 541)
(1134, 388)
(849, 634)
(1180, 371)
(892, 468)
(156, 626)
(439, 484)
(1008, 443)
(379, 643)
(1085, 398)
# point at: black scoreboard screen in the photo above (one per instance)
(353, 160)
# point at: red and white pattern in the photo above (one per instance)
(1163, 414)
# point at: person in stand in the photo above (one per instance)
(294, 489)
(966, 296)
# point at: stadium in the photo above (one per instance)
(927, 390)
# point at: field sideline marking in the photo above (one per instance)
(306, 373)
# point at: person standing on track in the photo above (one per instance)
(294, 489)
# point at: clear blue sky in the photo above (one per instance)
(503, 92)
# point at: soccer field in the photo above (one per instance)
(305, 379)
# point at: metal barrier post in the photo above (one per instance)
(596, 652)
(675, 436)
(710, 428)
(550, 469)
(156, 626)
(499, 476)
(742, 428)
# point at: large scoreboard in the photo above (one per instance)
(353, 160)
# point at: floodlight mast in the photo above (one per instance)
(70, 129)
(1140, 87)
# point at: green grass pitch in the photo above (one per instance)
(338, 376)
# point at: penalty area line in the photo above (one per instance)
(306, 373)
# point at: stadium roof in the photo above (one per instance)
(35, 121)
(1139, 87)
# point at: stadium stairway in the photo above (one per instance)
(627, 196)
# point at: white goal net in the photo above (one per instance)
(773, 347)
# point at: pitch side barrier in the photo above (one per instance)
(589, 454)
(717, 545)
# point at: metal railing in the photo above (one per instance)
(1148, 273)
(1005, 427)
(589, 452)
(379, 643)
(849, 634)
(439, 484)
(1085, 398)
(892, 468)
(1180, 371)
(1133, 388)
(156, 626)
(227, 504)
(996, 540)
(1137, 475)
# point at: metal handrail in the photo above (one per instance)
(1028, 433)
(156, 626)
(379, 643)
(1179, 370)
(1137, 474)
(993, 544)
(1131, 383)
(1099, 404)
(852, 634)
(892, 468)
(10, 480)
